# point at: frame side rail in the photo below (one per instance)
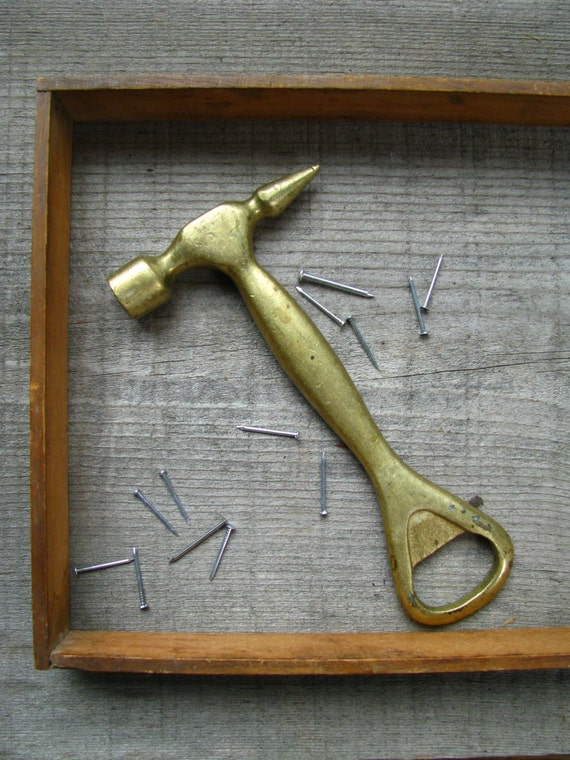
(48, 376)
(315, 654)
(419, 99)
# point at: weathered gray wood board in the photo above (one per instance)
(476, 406)
(481, 406)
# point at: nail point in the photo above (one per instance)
(320, 306)
(423, 330)
(363, 343)
(268, 431)
(432, 284)
(172, 491)
(303, 275)
(223, 523)
(229, 529)
(141, 497)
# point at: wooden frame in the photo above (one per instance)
(61, 102)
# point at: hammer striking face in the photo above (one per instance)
(419, 517)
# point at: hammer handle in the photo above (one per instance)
(419, 517)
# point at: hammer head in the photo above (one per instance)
(220, 239)
(140, 286)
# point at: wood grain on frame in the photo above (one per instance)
(48, 376)
(419, 99)
(315, 653)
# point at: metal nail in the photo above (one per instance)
(417, 307)
(363, 343)
(268, 431)
(155, 511)
(103, 566)
(143, 604)
(198, 541)
(164, 475)
(307, 277)
(229, 529)
(433, 279)
(324, 512)
(320, 306)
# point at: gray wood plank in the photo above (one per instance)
(476, 406)
(481, 407)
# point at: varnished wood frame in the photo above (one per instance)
(60, 103)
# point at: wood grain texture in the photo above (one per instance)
(313, 654)
(48, 376)
(421, 99)
(187, 375)
(115, 716)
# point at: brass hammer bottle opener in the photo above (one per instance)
(419, 517)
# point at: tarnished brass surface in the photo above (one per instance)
(419, 517)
